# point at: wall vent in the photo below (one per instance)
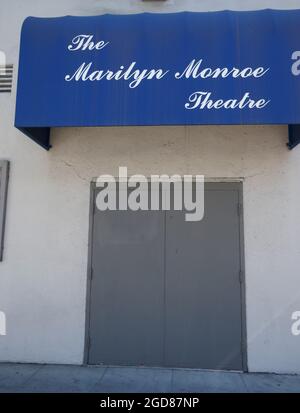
(6, 75)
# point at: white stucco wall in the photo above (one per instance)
(43, 274)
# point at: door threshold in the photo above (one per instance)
(164, 368)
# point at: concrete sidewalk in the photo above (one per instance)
(58, 378)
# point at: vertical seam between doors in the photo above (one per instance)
(165, 287)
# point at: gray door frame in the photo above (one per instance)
(209, 185)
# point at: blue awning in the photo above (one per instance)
(159, 69)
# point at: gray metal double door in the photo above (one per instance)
(167, 292)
